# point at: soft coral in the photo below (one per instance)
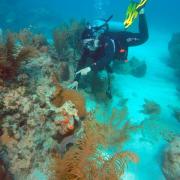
(10, 60)
(62, 95)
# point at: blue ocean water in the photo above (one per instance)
(22, 13)
(159, 84)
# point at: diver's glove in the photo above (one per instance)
(84, 72)
(74, 85)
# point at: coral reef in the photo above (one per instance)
(66, 49)
(99, 86)
(96, 85)
(36, 122)
(76, 28)
(70, 116)
(88, 159)
(171, 162)
(175, 112)
(4, 175)
(45, 129)
(32, 128)
(11, 59)
(67, 40)
(27, 38)
(139, 68)
(62, 95)
(60, 37)
(174, 50)
(64, 71)
(151, 107)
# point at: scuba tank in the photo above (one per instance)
(115, 26)
(108, 26)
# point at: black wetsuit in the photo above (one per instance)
(114, 45)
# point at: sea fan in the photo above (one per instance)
(64, 71)
(67, 40)
(85, 160)
(10, 60)
(27, 38)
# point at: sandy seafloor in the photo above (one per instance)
(158, 85)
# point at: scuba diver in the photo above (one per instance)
(106, 40)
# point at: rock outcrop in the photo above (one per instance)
(171, 163)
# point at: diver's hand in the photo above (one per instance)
(84, 72)
(74, 85)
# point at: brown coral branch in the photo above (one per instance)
(10, 48)
(10, 60)
(26, 53)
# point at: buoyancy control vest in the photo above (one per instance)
(114, 30)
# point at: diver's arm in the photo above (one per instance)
(105, 60)
(134, 39)
(102, 63)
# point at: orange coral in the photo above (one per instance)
(6, 139)
(62, 95)
(66, 125)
